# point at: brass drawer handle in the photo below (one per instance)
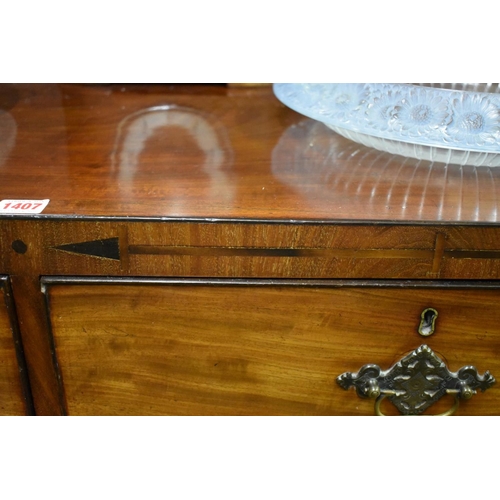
(416, 382)
(447, 413)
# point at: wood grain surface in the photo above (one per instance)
(218, 349)
(12, 397)
(214, 152)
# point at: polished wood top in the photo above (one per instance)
(211, 151)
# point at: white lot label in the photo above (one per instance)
(24, 207)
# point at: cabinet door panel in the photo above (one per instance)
(255, 349)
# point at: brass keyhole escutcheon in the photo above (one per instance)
(427, 322)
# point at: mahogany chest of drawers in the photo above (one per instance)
(207, 251)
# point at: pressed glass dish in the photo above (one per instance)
(449, 123)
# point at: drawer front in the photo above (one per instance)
(14, 399)
(256, 348)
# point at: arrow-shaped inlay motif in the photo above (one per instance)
(107, 249)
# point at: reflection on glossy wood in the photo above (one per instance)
(214, 152)
(189, 350)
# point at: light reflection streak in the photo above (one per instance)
(135, 130)
(8, 133)
(331, 171)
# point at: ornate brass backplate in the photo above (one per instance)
(416, 382)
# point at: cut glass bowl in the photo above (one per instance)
(449, 123)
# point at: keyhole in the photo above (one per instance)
(427, 322)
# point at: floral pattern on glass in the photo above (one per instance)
(383, 109)
(348, 100)
(424, 115)
(476, 121)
